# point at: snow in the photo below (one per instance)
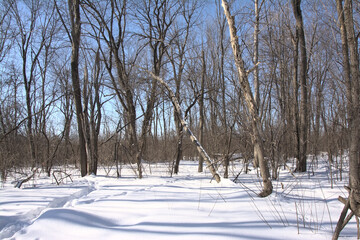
(185, 206)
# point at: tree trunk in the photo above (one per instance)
(95, 115)
(295, 105)
(224, 119)
(146, 125)
(351, 75)
(354, 122)
(251, 104)
(201, 110)
(227, 153)
(29, 122)
(255, 61)
(74, 10)
(304, 119)
(178, 155)
(179, 129)
(85, 118)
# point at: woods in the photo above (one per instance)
(269, 83)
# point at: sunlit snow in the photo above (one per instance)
(185, 206)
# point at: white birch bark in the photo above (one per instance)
(250, 102)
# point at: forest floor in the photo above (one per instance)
(186, 206)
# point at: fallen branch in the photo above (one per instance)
(351, 203)
(24, 180)
(186, 128)
(60, 180)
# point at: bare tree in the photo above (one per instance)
(303, 121)
(74, 13)
(251, 104)
(33, 35)
(209, 163)
(256, 59)
(47, 90)
(155, 19)
(176, 54)
(111, 28)
(92, 112)
(63, 74)
(227, 135)
(351, 76)
(5, 30)
(6, 112)
(201, 109)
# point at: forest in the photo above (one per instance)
(266, 83)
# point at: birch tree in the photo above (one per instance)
(185, 125)
(257, 8)
(250, 102)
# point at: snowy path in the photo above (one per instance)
(188, 206)
(35, 199)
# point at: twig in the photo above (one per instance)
(214, 205)
(297, 218)
(327, 207)
(357, 224)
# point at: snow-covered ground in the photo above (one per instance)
(186, 206)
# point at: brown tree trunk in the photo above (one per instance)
(295, 103)
(122, 83)
(85, 118)
(29, 121)
(304, 119)
(351, 74)
(354, 122)
(179, 129)
(226, 139)
(250, 102)
(74, 10)
(178, 155)
(201, 110)
(95, 115)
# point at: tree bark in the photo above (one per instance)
(74, 10)
(201, 110)
(354, 122)
(295, 103)
(250, 102)
(351, 75)
(304, 108)
(179, 129)
(95, 115)
(255, 61)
